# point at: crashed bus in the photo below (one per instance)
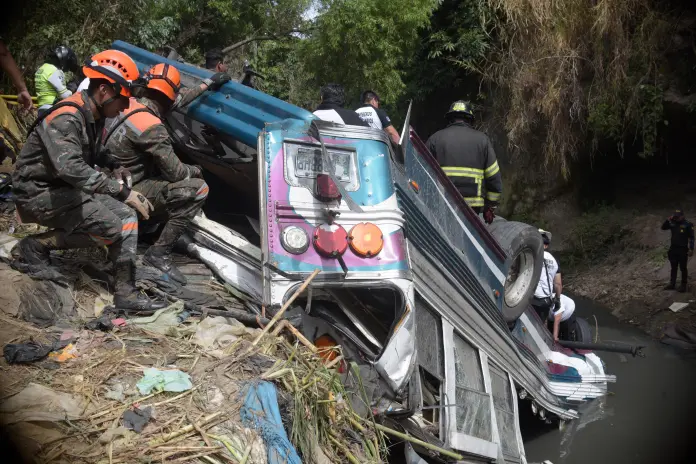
(432, 304)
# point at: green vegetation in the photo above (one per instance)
(568, 75)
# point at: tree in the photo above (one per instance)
(364, 44)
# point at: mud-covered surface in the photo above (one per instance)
(646, 418)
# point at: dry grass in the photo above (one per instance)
(203, 424)
(567, 63)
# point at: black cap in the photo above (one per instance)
(678, 212)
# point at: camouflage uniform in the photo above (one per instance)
(138, 140)
(55, 185)
(141, 144)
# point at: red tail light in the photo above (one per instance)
(330, 240)
(326, 189)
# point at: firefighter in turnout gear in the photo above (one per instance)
(138, 143)
(468, 159)
(681, 247)
(55, 185)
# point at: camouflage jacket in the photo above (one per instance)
(140, 141)
(59, 153)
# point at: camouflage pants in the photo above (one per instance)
(85, 220)
(177, 203)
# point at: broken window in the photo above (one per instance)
(473, 403)
(504, 410)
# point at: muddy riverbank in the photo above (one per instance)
(647, 417)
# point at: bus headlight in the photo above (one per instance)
(366, 240)
(294, 239)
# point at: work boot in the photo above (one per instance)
(161, 258)
(682, 288)
(669, 287)
(127, 296)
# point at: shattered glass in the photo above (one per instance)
(429, 340)
(504, 410)
(473, 403)
(474, 413)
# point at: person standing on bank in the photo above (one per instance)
(468, 159)
(374, 116)
(547, 295)
(681, 247)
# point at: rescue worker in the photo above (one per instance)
(562, 320)
(55, 185)
(681, 247)
(371, 113)
(138, 142)
(50, 77)
(9, 66)
(547, 295)
(468, 159)
(331, 108)
(214, 60)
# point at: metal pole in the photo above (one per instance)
(632, 350)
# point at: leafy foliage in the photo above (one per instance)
(365, 44)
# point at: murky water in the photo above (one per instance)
(649, 416)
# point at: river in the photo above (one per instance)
(648, 417)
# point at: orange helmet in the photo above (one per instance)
(164, 78)
(114, 66)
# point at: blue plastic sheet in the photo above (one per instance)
(260, 412)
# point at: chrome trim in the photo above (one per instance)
(357, 132)
(264, 172)
(318, 213)
(337, 278)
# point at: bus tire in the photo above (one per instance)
(525, 250)
(583, 331)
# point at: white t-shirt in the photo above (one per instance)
(549, 269)
(567, 309)
(374, 117)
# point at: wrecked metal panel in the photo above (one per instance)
(231, 272)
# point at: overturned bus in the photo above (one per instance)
(427, 299)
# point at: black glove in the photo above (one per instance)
(72, 86)
(218, 80)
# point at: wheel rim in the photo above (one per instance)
(519, 277)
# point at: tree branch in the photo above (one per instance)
(258, 38)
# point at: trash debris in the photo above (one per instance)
(67, 353)
(7, 242)
(163, 321)
(676, 307)
(116, 393)
(21, 353)
(135, 419)
(158, 380)
(102, 323)
(112, 434)
(260, 411)
(37, 403)
(218, 332)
